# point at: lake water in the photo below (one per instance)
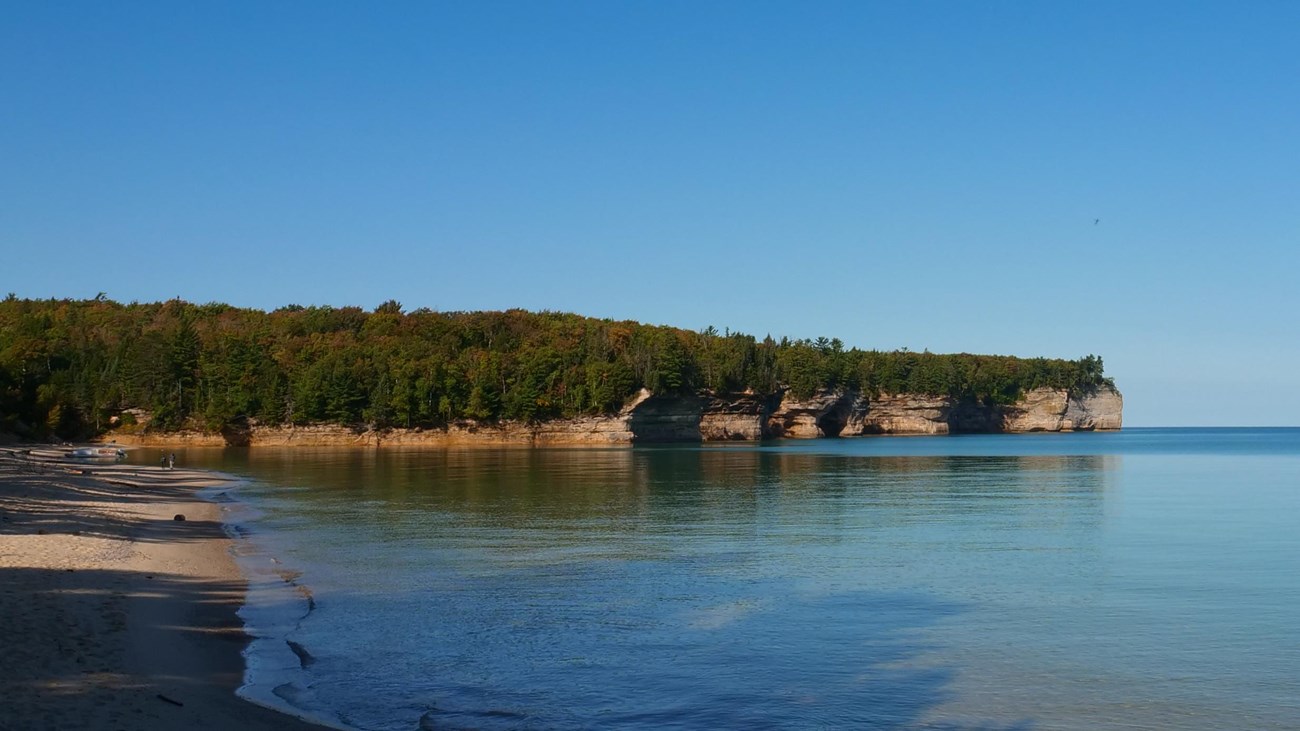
(1142, 579)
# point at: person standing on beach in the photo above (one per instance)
(162, 461)
(171, 461)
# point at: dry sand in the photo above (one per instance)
(113, 615)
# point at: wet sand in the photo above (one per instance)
(114, 615)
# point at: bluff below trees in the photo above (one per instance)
(653, 419)
(211, 374)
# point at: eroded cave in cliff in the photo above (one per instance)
(832, 422)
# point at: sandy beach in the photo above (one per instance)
(113, 614)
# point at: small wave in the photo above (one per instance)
(290, 693)
(305, 659)
(276, 671)
(437, 719)
(290, 577)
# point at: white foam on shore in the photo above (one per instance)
(275, 605)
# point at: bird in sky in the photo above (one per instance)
(1096, 221)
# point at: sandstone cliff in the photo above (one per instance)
(743, 417)
(822, 415)
(1056, 410)
(1100, 411)
(899, 414)
(649, 418)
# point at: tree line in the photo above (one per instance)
(68, 368)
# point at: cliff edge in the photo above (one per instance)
(649, 418)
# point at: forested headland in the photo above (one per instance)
(69, 368)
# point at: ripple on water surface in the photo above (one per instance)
(1141, 579)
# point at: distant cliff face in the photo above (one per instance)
(648, 418)
(902, 413)
(848, 414)
(822, 415)
(737, 418)
(1046, 409)
(1102, 410)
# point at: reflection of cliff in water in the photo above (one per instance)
(733, 489)
(823, 489)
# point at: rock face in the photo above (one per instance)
(1041, 409)
(1102, 410)
(665, 419)
(706, 417)
(899, 414)
(740, 418)
(822, 415)
(1047, 409)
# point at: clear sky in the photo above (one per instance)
(905, 174)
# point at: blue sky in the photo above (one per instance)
(921, 175)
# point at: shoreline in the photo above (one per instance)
(686, 419)
(346, 437)
(115, 614)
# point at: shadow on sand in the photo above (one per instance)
(41, 506)
(122, 649)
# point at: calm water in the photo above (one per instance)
(1146, 579)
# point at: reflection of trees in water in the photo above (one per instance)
(735, 490)
(822, 489)
(737, 558)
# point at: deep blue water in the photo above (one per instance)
(1143, 579)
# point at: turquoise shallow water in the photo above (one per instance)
(1142, 579)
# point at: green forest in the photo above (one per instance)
(69, 368)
